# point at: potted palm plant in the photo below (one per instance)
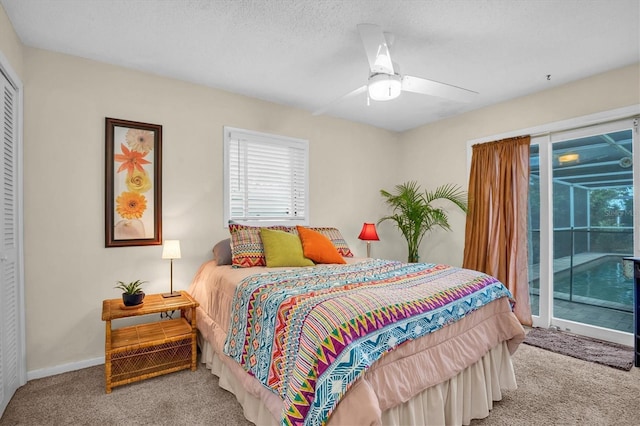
(132, 293)
(413, 212)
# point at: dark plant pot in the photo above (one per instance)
(132, 299)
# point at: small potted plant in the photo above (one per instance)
(132, 292)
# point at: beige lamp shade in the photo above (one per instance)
(171, 249)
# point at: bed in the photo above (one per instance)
(363, 342)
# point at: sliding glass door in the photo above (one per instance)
(581, 225)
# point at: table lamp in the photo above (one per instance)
(171, 250)
(368, 234)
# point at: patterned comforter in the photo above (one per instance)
(309, 333)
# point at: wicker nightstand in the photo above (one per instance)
(147, 350)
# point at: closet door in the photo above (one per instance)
(11, 328)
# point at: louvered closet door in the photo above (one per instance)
(9, 245)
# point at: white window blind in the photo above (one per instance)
(265, 178)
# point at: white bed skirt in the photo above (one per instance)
(466, 396)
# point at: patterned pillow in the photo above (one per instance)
(336, 238)
(246, 245)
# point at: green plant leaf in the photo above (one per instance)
(132, 287)
(414, 215)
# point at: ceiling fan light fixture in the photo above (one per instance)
(384, 87)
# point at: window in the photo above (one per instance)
(265, 178)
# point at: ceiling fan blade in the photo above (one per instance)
(341, 98)
(376, 48)
(435, 88)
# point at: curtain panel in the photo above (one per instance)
(496, 227)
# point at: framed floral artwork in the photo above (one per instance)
(133, 206)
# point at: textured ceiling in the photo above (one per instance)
(307, 53)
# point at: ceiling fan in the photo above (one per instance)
(385, 81)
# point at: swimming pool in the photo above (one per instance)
(596, 282)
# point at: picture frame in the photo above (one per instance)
(133, 183)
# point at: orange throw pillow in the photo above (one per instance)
(317, 247)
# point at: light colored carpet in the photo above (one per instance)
(553, 390)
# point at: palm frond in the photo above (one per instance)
(413, 213)
(449, 192)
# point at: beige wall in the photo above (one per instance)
(10, 45)
(424, 149)
(68, 270)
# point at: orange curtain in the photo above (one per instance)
(496, 229)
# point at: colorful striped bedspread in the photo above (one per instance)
(309, 333)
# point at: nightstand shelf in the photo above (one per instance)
(148, 350)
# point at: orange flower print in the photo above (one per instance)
(131, 160)
(131, 205)
(140, 140)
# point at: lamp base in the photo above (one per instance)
(174, 294)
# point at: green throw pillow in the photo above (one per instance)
(283, 249)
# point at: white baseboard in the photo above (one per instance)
(64, 368)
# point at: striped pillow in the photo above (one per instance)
(336, 238)
(246, 245)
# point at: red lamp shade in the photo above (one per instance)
(368, 232)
